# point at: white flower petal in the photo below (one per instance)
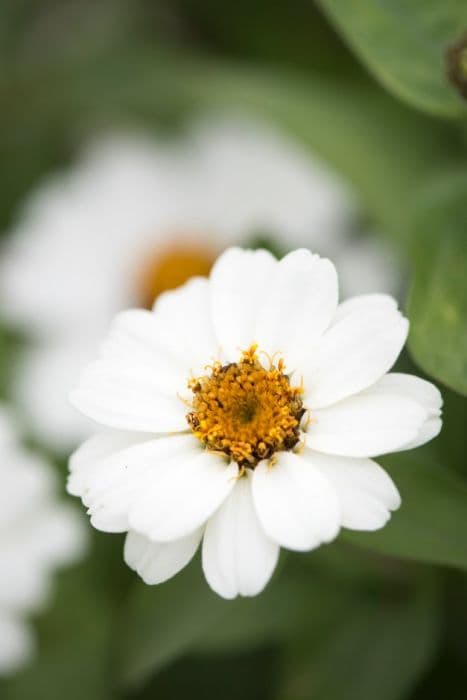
(49, 535)
(59, 535)
(429, 430)
(130, 397)
(146, 362)
(296, 505)
(362, 344)
(156, 562)
(101, 445)
(27, 480)
(362, 303)
(111, 470)
(238, 557)
(86, 231)
(300, 304)
(48, 370)
(255, 178)
(240, 281)
(186, 313)
(138, 337)
(366, 425)
(366, 493)
(16, 644)
(184, 495)
(25, 583)
(7, 428)
(424, 393)
(82, 463)
(37, 534)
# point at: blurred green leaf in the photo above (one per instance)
(163, 623)
(11, 344)
(294, 34)
(379, 650)
(431, 524)
(300, 597)
(310, 594)
(403, 43)
(450, 444)
(438, 301)
(246, 675)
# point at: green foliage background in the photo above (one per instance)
(363, 84)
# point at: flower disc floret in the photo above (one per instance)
(246, 411)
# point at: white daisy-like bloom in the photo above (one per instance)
(245, 411)
(38, 534)
(136, 217)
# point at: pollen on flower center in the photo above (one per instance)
(246, 411)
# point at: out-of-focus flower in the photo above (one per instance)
(37, 535)
(245, 410)
(135, 218)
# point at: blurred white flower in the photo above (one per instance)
(38, 534)
(245, 410)
(136, 217)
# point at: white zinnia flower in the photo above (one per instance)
(135, 218)
(37, 535)
(245, 411)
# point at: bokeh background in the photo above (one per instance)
(374, 92)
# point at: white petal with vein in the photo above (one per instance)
(182, 496)
(156, 562)
(366, 425)
(111, 473)
(296, 505)
(240, 282)
(299, 306)
(238, 557)
(362, 344)
(366, 493)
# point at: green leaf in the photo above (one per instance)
(438, 301)
(301, 595)
(431, 524)
(163, 623)
(379, 650)
(450, 444)
(310, 594)
(10, 351)
(404, 44)
(246, 675)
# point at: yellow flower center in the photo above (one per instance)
(171, 267)
(246, 411)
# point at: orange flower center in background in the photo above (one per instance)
(246, 411)
(171, 267)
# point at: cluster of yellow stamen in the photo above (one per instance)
(246, 411)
